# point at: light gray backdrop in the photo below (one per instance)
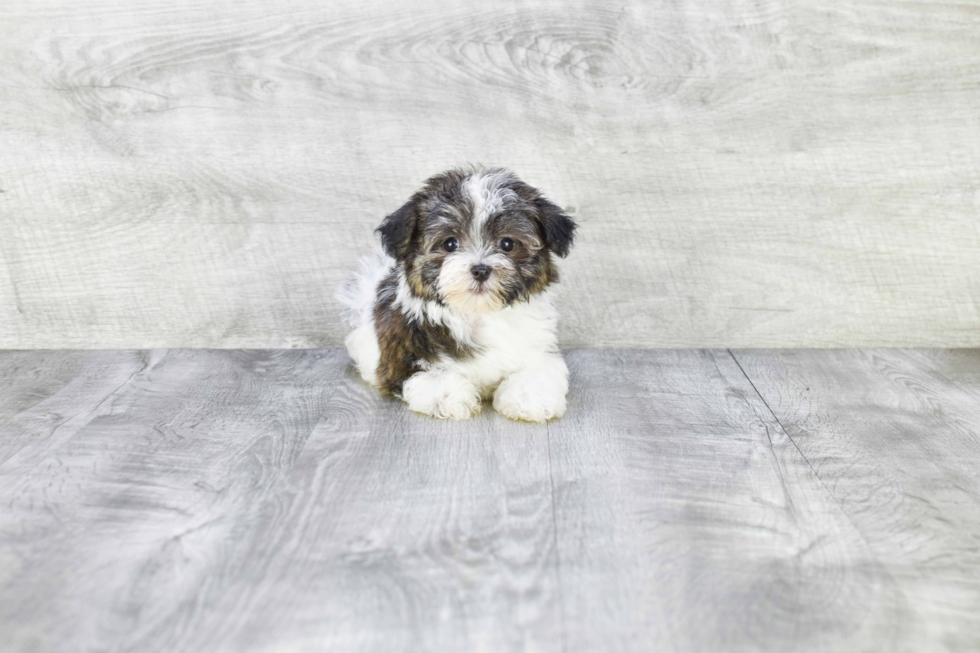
(783, 173)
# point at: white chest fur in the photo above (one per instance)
(504, 341)
(517, 362)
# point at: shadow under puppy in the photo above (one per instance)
(456, 307)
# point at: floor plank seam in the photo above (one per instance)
(780, 424)
(554, 535)
(833, 498)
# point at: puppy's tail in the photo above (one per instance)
(359, 292)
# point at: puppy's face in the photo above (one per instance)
(477, 241)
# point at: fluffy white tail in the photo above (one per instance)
(358, 295)
(360, 291)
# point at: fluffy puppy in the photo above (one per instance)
(456, 308)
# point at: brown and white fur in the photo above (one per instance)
(456, 307)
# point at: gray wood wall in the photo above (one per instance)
(784, 173)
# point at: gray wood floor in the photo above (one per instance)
(200, 500)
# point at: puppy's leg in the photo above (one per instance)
(362, 345)
(441, 393)
(535, 393)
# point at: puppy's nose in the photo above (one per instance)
(480, 272)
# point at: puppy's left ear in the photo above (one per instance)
(396, 230)
(559, 229)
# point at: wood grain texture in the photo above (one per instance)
(776, 173)
(688, 521)
(230, 501)
(195, 500)
(895, 435)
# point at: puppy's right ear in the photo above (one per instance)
(396, 230)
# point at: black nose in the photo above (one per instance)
(481, 272)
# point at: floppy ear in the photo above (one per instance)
(559, 229)
(396, 230)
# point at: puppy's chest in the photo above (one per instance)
(508, 335)
(488, 336)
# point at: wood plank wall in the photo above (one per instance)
(746, 174)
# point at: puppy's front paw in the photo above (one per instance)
(445, 395)
(531, 397)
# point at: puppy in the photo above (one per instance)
(457, 308)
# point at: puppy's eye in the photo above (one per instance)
(506, 244)
(451, 244)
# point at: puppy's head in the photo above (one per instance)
(477, 240)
